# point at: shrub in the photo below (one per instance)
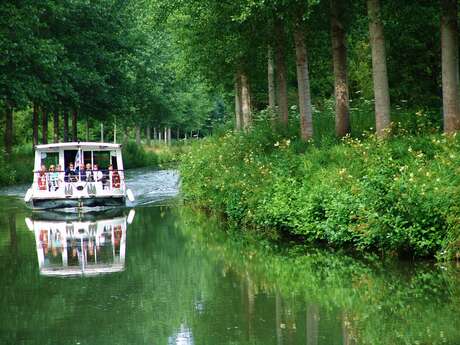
(134, 156)
(396, 196)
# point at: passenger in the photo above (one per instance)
(115, 179)
(80, 172)
(42, 178)
(89, 177)
(53, 179)
(98, 175)
(71, 175)
(107, 177)
(61, 174)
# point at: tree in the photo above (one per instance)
(280, 71)
(339, 56)
(271, 78)
(246, 110)
(238, 110)
(8, 130)
(449, 44)
(379, 67)
(303, 82)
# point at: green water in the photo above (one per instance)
(176, 278)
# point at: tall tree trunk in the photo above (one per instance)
(271, 78)
(154, 134)
(339, 57)
(169, 135)
(303, 82)
(66, 126)
(449, 52)
(147, 134)
(280, 72)
(246, 102)
(56, 127)
(165, 135)
(44, 127)
(177, 134)
(379, 68)
(8, 130)
(74, 126)
(238, 111)
(35, 125)
(138, 135)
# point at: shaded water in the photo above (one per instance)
(173, 277)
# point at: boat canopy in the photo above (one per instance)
(77, 145)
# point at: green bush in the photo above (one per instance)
(134, 156)
(397, 196)
(17, 168)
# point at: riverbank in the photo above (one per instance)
(18, 168)
(396, 197)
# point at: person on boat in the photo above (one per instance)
(98, 175)
(89, 177)
(61, 174)
(53, 179)
(106, 178)
(115, 177)
(80, 172)
(71, 175)
(42, 178)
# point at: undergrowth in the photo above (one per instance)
(396, 196)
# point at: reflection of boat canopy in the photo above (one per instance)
(80, 247)
(78, 174)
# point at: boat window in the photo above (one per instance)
(49, 158)
(69, 157)
(87, 157)
(102, 159)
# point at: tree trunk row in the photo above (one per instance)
(56, 128)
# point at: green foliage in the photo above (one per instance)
(18, 168)
(134, 156)
(396, 196)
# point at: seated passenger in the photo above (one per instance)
(80, 171)
(115, 177)
(61, 174)
(71, 175)
(42, 178)
(53, 179)
(89, 177)
(98, 175)
(107, 177)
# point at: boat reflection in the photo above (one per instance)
(82, 246)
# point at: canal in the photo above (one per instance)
(161, 273)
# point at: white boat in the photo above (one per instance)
(78, 174)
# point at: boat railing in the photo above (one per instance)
(56, 181)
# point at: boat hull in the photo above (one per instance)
(47, 204)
